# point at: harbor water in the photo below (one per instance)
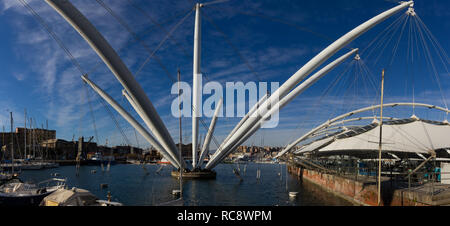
(135, 186)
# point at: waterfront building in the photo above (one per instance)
(34, 137)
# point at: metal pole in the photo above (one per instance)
(196, 86)
(380, 141)
(180, 145)
(12, 145)
(25, 137)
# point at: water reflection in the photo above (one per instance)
(132, 185)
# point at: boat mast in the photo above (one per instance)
(12, 145)
(196, 89)
(379, 143)
(46, 138)
(180, 145)
(25, 137)
(32, 136)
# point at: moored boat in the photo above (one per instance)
(75, 197)
(17, 193)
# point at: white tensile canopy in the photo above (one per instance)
(406, 135)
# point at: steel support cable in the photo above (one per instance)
(430, 61)
(227, 39)
(319, 102)
(394, 51)
(129, 109)
(214, 2)
(360, 71)
(339, 86)
(92, 112)
(95, 67)
(53, 35)
(134, 35)
(81, 114)
(370, 77)
(128, 28)
(410, 61)
(430, 37)
(397, 27)
(67, 51)
(58, 41)
(345, 106)
(384, 40)
(381, 36)
(296, 26)
(152, 53)
(162, 42)
(159, 25)
(235, 49)
(348, 89)
(437, 46)
(116, 123)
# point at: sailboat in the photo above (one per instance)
(14, 192)
(18, 193)
(179, 201)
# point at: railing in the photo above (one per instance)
(423, 180)
(57, 182)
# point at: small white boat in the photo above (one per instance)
(75, 197)
(176, 192)
(17, 193)
(293, 194)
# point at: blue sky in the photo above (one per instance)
(263, 41)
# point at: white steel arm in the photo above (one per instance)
(130, 120)
(138, 110)
(309, 67)
(209, 135)
(283, 102)
(99, 44)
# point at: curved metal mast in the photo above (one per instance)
(99, 44)
(283, 102)
(131, 120)
(315, 62)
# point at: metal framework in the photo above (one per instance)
(251, 122)
(315, 62)
(330, 122)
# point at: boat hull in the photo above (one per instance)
(29, 200)
(195, 175)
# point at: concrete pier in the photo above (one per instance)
(362, 190)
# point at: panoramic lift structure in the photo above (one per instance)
(252, 121)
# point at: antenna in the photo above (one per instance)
(213, 2)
